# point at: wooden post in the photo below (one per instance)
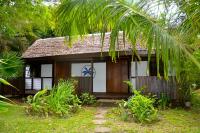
(31, 83)
(129, 73)
(23, 81)
(41, 83)
(54, 73)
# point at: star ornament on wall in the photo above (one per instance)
(87, 71)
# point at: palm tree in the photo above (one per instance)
(10, 67)
(79, 17)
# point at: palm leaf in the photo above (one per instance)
(4, 103)
(81, 17)
(39, 94)
(10, 66)
(3, 81)
(5, 99)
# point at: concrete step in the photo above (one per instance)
(108, 102)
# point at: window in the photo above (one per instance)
(46, 70)
(46, 75)
(142, 68)
(38, 77)
(138, 68)
(133, 74)
(81, 70)
(27, 71)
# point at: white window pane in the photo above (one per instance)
(142, 68)
(46, 70)
(27, 71)
(171, 71)
(28, 83)
(47, 83)
(81, 70)
(37, 83)
(133, 81)
(99, 80)
(133, 74)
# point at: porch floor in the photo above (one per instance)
(111, 95)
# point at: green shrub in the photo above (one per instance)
(195, 100)
(87, 99)
(125, 115)
(37, 103)
(60, 101)
(142, 107)
(163, 102)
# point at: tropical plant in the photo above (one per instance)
(123, 111)
(60, 101)
(163, 101)
(19, 16)
(195, 99)
(87, 99)
(37, 103)
(81, 17)
(191, 71)
(142, 107)
(4, 103)
(138, 106)
(11, 65)
(20, 23)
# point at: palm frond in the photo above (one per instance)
(10, 66)
(79, 17)
(5, 103)
(3, 81)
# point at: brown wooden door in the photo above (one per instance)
(62, 70)
(116, 74)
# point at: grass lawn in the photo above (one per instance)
(16, 121)
(171, 120)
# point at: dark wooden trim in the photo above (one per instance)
(53, 73)
(31, 83)
(133, 77)
(107, 95)
(42, 86)
(79, 56)
(129, 73)
(85, 56)
(23, 80)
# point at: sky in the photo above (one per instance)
(155, 10)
